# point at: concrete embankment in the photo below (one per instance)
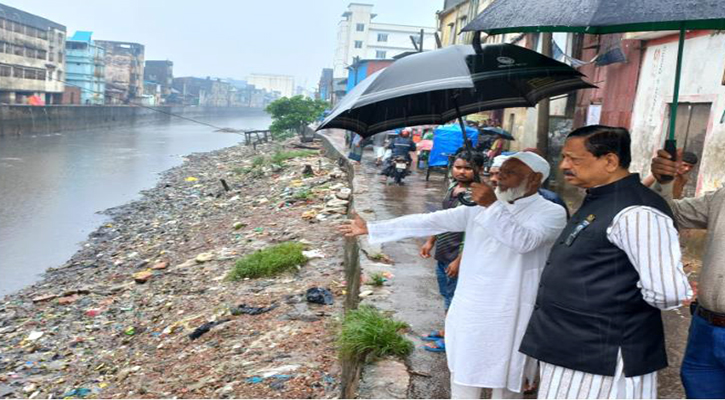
(24, 120)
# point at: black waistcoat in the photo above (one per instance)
(588, 304)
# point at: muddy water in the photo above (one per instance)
(53, 186)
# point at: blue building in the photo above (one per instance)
(361, 69)
(85, 67)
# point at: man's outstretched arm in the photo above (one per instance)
(415, 225)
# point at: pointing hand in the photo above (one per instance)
(354, 227)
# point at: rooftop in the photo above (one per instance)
(26, 18)
(82, 36)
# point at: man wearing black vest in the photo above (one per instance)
(596, 327)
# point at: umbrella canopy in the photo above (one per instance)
(426, 88)
(497, 131)
(598, 16)
(605, 16)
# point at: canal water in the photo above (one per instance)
(53, 186)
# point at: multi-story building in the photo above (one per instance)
(124, 71)
(31, 58)
(324, 87)
(162, 73)
(203, 92)
(85, 68)
(284, 84)
(359, 38)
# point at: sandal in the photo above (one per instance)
(433, 336)
(439, 346)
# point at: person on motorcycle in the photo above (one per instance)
(403, 145)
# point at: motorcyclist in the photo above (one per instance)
(402, 145)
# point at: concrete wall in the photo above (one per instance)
(24, 120)
(702, 74)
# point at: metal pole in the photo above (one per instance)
(542, 129)
(671, 142)
(466, 141)
(420, 48)
(676, 93)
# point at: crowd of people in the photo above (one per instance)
(578, 298)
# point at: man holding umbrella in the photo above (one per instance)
(508, 236)
(596, 327)
(703, 369)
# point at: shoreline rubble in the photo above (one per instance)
(114, 320)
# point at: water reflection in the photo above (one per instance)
(52, 186)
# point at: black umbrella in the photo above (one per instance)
(497, 131)
(604, 16)
(439, 86)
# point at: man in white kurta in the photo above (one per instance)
(507, 243)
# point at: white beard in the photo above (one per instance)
(512, 194)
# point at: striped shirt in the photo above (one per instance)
(650, 240)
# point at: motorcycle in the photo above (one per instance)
(398, 168)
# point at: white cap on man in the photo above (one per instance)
(499, 160)
(534, 161)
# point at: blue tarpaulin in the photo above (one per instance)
(447, 139)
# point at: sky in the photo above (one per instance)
(227, 38)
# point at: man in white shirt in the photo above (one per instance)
(508, 236)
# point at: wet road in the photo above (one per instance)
(416, 300)
(415, 296)
(52, 186)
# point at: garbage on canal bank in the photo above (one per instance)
(144, 309)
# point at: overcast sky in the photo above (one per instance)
(227, 38)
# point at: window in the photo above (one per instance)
(380, 54)
(382, 37)
(360, 27)
(5, 70)
(358, 44)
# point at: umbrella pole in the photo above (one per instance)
(466, 141)
(671, 143)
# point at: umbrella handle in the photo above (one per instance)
(671, 148)
(477, 42)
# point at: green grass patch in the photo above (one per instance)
(258, 161)
(367, 331)
(268, 262)
(303, 195)
(281, 156)
(377, 279)
(241, 170)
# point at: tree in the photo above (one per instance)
(290, 115)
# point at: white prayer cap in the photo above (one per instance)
(499, 160)
(534, 161)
